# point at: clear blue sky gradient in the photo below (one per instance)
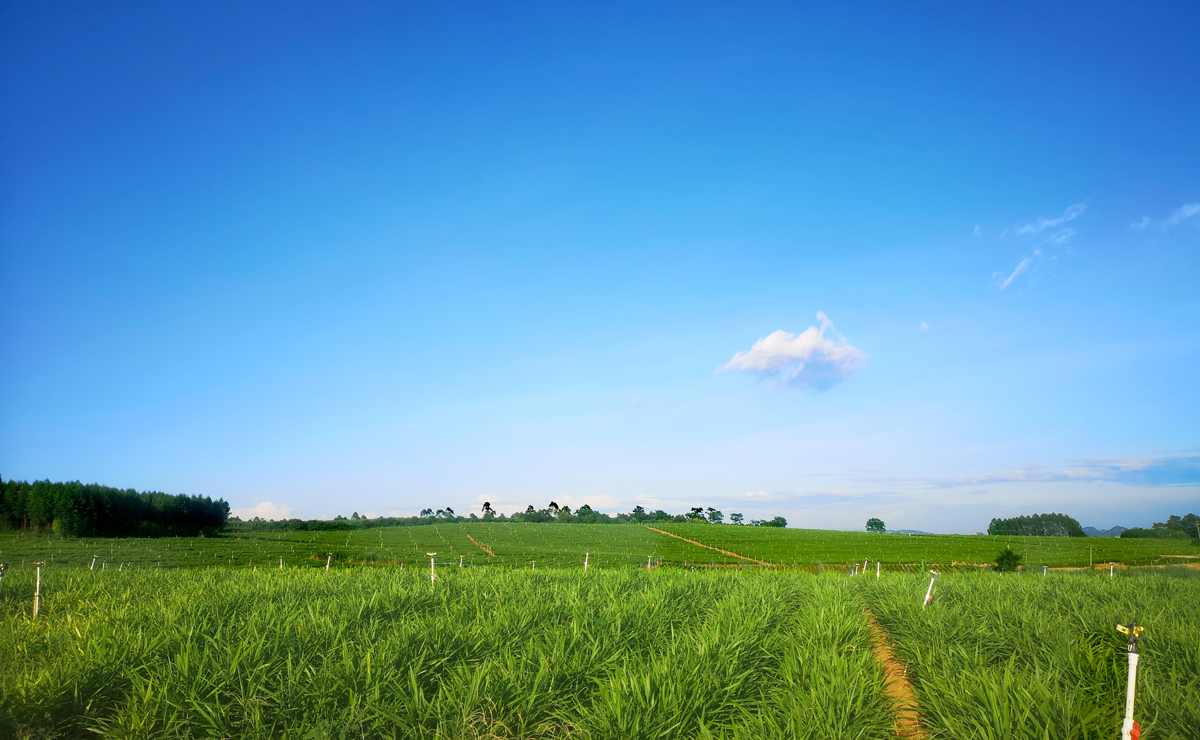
(378, 257)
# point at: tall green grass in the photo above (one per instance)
(383, 653)
(1014, 656)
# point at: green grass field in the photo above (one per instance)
(210, 638)
(517, 545)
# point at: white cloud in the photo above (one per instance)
(924, 326)
(1181, 214)
(1042, 223)
(978, 229)
(1184, 213)
(263, 510)
(808, 358)
(1022, 266)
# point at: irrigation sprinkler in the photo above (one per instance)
(37, 590)
(432, 572)
(1129, 728)
(328, 559)
(929, 592)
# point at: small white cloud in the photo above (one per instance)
(808, 358)
(1022, 266)
(262, 510)
(1041, 223)
(924, 326)
(978, 229)
(1181, 214)
(1184, 213)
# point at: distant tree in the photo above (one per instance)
(564, 512)
(487, 509)
(1038, 525)
(714, 516)
(530, 510)
(553, 507)
(449, 512)
(638, 514)
(735, 518)
(875, 525)
(1186, 526)
(776, 522)
(354, 516)
(1007, 559)
(696, 514)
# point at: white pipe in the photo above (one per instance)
(1128, 725)
(1110, 570)
(586, 553)
(929, 592)
(328, 557)
(876, 568)
(37, 593)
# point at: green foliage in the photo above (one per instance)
(876, 525)
(380, 653)
(78, 510)
(1027, 657)
(1007, 559)
(1038, 525)
(1177, 527)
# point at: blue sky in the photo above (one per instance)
(928, 262)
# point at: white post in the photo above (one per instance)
(1044, 569)
(281, 563)
(876, 568)
(93, 565)
(586, 553)
(929, 592)
(647, 562)
(1130, 686)
(432, 572)
(460, 559)
(864, 570)
(533, 565)
(37, 592)
(328, 558)
(1110, 570)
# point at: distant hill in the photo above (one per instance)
(1114, 532)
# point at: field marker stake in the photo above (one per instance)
(93, 565)
(929, 593)
(876, 568)
(1110, 570)
(1129, 728)
(37, 592)
(432, 573)
(3, 567)
(328, 557)
(586, 553)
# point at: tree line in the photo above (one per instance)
(1186, 526)
(1038, 525)
(74, 509)
(552, 513)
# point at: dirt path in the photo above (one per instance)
(482, 546)
(701, 544)
(899, 690)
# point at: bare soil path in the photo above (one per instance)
(701, 544)
(899, 689)
(482, 546)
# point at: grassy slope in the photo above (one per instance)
(382, 653)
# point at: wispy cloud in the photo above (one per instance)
(1181, 214)
(1173, 470)
(1022, 266)
(1041, 223)
(807, 359)
(263, 510)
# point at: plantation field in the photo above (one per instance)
(618, 653)
(482, 653)
(522, 545)
(815, 546)
(1027, 656)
